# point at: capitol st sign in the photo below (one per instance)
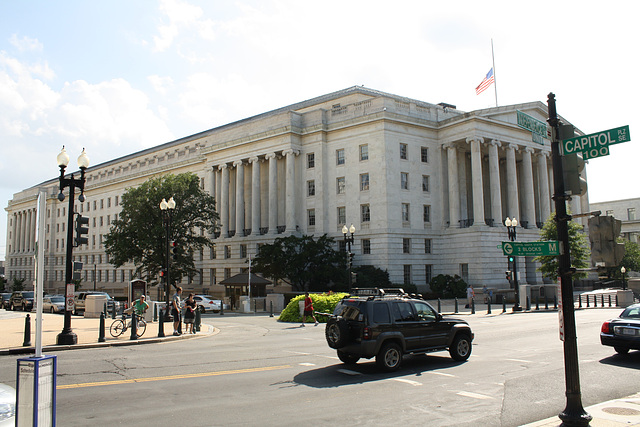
(595, 144)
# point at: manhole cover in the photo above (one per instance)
(621, 411)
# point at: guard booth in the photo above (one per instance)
(237, 290)
(138, 287)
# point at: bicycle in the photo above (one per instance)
(120, 326)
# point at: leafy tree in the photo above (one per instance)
(18, 284)
(3, 284)
(304, 263)
(368, 276)
(138, 235)
(448, 286)
(579, 249)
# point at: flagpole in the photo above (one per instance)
(495, 85)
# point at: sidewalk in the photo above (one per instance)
(12, 325)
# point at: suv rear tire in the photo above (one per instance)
(460, 348)
(389, 358)
(348, 358)
(336, 332)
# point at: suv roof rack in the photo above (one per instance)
(376, 292)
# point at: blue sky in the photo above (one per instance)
(120, 76)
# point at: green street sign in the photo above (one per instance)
(532, 124)
(550, 247)
(595, 144)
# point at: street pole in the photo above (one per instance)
(573, 414)
(167, 212)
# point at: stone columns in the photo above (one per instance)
(494, 182)
(239, 165)
(543, 190)
(273, 193)
(224, 201)
(476, 177)
(209, 181)
(454, 190)
(512, 183)
(255, 195)
(529, 207)
(290, 204)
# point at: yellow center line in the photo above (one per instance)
(172, 377)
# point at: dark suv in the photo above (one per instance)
(21, 300)
(387, 323)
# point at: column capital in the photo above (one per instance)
(238, 163)
(511, 145)
(223, 166)
(270, 156)
(290, 151)
(474, 138)
(449, 145)
(254, 159)
(528, 150)
(496, 143)
(543, 153)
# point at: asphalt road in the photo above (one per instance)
(257, 371)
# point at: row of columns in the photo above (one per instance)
(220, 178)
(512, 193)
(23, 238)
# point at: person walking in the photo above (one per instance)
(140, 306)
(308, 309)
(470, 295)
(175, 311)
(189, 314)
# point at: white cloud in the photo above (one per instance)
(160, 84)
(25, 43)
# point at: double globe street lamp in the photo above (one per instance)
(348, 240)
(167, 209)
(511, 225)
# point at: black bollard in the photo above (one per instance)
(456, 305)
(221, 307)
(439, 306)
(179, 322)
(587, 301)
(271, 308)
(27, 332)
(616, 300)
(528, 304)
(546, 303)
(537, 302)
(473, 306)
(198, 319)
(105, 309)
(113, 310)
(101, 337)
(488, 306)
(255, 306)
(504, 305)
(155, 312)
(134, 327)
(609, 300)
(602, 297)
(161, 325)
(555, 302)
(580, 301)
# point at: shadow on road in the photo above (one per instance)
(366, 371)
(630, 360)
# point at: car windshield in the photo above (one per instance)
(57, 299)
(205, 296)
(28, 294)
(631, 313)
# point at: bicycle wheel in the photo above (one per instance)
(141, 326)
(117, 328)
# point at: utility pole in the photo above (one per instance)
(573, 414)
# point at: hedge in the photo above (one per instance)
(324, 303)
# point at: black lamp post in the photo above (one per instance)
(624, 282)
(511, 225)
(67, 336)
(167, 209)
(348, 240)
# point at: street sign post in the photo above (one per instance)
(595, 144)
(547, 248)
(532, 124)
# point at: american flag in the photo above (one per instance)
(485, 83)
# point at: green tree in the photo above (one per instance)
(448, 286)
(3, 284)
(18, 284)
(578, 245)
(138, 235)
(304, 263)
(368, 276)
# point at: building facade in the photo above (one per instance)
(426, 186)
(627, 211)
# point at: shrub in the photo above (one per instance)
(448, 286)
(324, 303)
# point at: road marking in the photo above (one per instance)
(297, 352)
(307, 364)
(348, 372)
(520, 360)
(403, 380)
(172, 377)
(473, 395)
(441, 373)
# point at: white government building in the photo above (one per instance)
(426, 186)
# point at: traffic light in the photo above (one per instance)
(603, 235)
(572, 166)
(82, 229)
(508, 275)
(174, 249)
(350, 254)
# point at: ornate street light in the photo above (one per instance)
(511, 225)
(624, 282)
(67, 336)
(167, 209)
(348, 240)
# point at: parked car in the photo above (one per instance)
(623, 332)
(53, 303)
(7, 406)
(206, 303)
(387, 323)
(4, 299)
(80, 300)
(21, 300)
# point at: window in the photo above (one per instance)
(311, 217)
(426, 213)
(609, 213)
(340, 156)
(311, 188)
(428, 272)
(631, 214)
(108, 202)
(342, 215)
(243, 251)
(340, 185)
(464, 272)
(212, 252)
(424, 154)
(101, 203)
(407, 273)
(311, 160)
(425, 183)
(227, 252)
(405, 212)
(117, 201)
(365, 213)
(427, 246)
(366, 246)
(406, 246)
(403, 152)
(381, 313)
(212, 276)
(364, 181)
(403, 312)
(227, 273)
(364, 152)
(101, 221)
(404, 180)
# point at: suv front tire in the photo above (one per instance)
(389, 358)
(460, 348)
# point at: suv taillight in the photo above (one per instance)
(366, 333)
(606, 328)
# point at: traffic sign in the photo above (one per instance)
(595, 144)
(532, 124)
(550, 247)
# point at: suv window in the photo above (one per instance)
(349, 310)
(425, 312)
(403, 312)
(381, 313)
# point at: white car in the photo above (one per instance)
(7, 406)
(53, 304)
(206, 303)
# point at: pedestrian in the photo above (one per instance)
(470, 295)
(189, 314)
(485, 292)
(308, 309)
(140, 306)
(175, 311)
